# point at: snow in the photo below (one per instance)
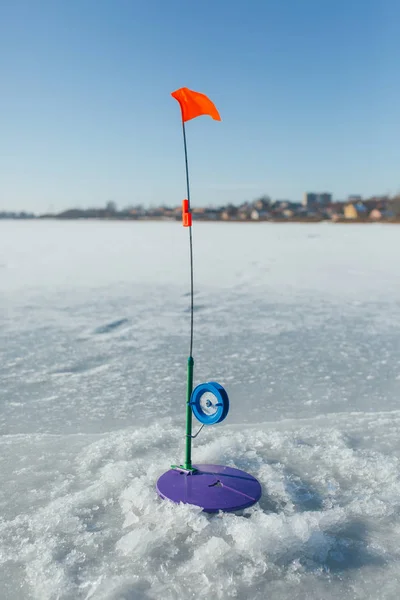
(300, 322)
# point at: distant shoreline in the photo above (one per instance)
(340, 221)
(371, 210)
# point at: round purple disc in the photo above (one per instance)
(212, 487)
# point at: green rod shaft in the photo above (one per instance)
(188, 448)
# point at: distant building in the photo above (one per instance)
(309, 200)
(375, 214)
(314, 200)
(350, 211)
(288, 213)
(354, 198)
(324, 199)
(259, 215)
(355, 210)
(395, 206)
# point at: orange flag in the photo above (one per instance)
(194, 104)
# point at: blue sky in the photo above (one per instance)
(308, 92)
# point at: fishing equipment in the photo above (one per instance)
(211, 487)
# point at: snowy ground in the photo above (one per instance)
(301, 323)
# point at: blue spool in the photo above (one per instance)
(210, 403)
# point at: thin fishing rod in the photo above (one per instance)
(190, 243)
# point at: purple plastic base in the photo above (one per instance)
(212, 487)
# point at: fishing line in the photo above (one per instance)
(190, 244)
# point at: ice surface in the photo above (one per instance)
(301, 323)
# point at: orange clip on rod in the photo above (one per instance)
(186, 214)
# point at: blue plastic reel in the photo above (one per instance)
(210, 403)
